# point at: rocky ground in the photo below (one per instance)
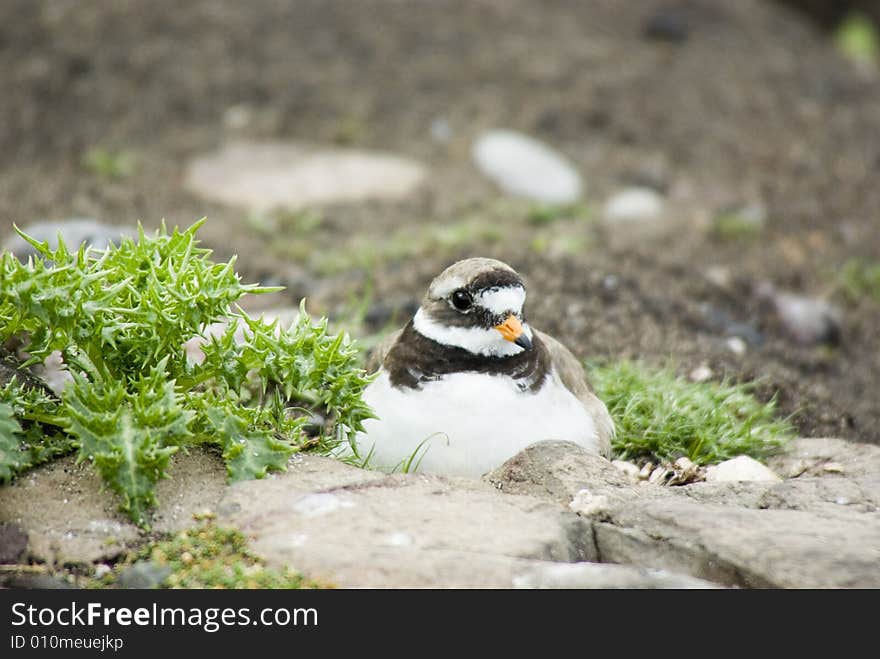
(553, 516)
(724, 159)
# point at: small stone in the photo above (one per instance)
(524, 167)
(798, 468)
(101, 570)
(238, 117)
(587, 503)
(736, 345)
(636, 204)
(684, 472)
(807, 320)
(645, 472)
(740, 468)
(144, 574)
(627, 468)
(833, 468)
(685, 464)
(441, 130)
(719, 276)
(701, 373)
(659, 475)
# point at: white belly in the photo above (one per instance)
(467, 423)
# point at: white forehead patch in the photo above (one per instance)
(501, 300)
(442, 288)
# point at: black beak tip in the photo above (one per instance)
(523, 342)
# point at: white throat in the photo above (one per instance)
(486, 342)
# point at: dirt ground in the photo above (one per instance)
(719, 105)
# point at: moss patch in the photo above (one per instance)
(209, 556)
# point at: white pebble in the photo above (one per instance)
(701, 373)
(740, 468)
(587, 503)
(736, 345)
(634, 205)
(627, 468)
(525, 167)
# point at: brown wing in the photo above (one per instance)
(377, 355)
(571, 372)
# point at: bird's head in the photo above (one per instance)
(477, 305)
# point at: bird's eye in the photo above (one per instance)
(462, 300)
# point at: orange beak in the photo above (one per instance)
(512, 330)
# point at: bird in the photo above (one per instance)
(467, 383)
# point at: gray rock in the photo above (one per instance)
(523, 166)
(516, 528)
(745, 547)
(70, 518)
(357, 528)
(262, 176)
(811, 455)
(603, 575)
(144, 574)
(806, 532)
(827, 496)
(807, 320)
(74, 231)
(558, 470)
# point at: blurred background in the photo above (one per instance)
(695, 181)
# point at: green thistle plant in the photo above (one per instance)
(120, 318)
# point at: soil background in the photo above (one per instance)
(717, 105)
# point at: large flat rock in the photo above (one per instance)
(745, 547)
(264, 176)
(806, 532)
(363, 529)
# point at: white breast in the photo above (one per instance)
(468, 423)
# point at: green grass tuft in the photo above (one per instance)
(109, 165)
(859, 279)
(857, 38)
(661, 417)
(737, 227)
(210, 556)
